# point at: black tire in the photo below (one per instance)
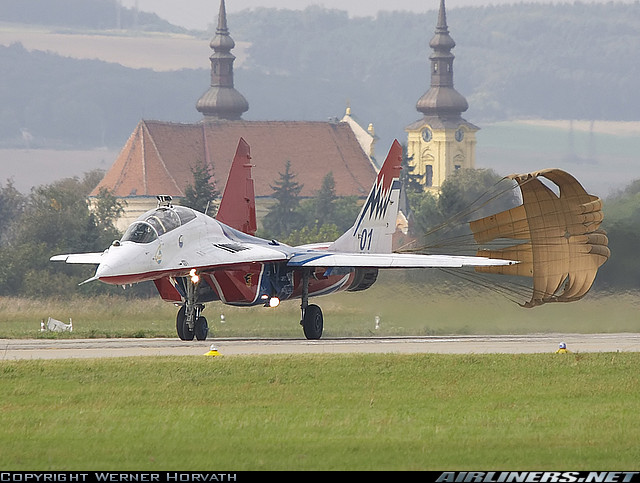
(180, 318)
(313, 322)
(181, 325)
(202, 328)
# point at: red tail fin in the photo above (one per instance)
(238, 206)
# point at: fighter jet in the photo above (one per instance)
(194, 259)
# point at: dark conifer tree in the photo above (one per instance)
(201, 194)
(284, 216)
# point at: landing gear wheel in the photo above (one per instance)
(180, 319)
(184, 332)
(312, 322)
(201, 328)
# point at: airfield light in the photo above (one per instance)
(274, 302)
(195, 278)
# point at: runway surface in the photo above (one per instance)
(13, 349)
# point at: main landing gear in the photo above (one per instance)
(189, 322)
(312, 321)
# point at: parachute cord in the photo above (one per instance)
(507, 289)
(471, 208)
(455, 221)
(466, 241)
(510, 293)
(493, 193)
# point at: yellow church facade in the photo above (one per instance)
(436, 151)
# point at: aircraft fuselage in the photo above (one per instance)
(169, 245)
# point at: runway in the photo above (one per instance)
(19, 349)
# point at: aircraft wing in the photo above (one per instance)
(87, 258)
(391, 260)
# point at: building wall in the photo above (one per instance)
(440, 152)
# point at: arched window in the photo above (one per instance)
(428, 175)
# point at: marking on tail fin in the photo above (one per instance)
(388, 179)
(377, 203)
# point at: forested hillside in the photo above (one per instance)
(57, 102)
(83, 14)
(554, 61)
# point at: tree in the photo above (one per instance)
(319, 219)
(461, 191)
(411, 182)
(425, 212)
(203, 191)
(107, 208)
(56, 219)
(621, 222)
(12, 203)
(284, 216)
(313, 234)
(324, 202)
(467, 194)
(346, 209)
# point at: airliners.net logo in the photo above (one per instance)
(538, 477)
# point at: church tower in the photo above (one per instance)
(442, 141)
(222, 101)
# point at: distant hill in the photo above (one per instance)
(551, 61)
(48, 101)
(82, 14)
(554, 61)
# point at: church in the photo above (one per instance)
(159, 156)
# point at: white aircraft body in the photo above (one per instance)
(194, 259)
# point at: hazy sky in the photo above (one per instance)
(198, 14)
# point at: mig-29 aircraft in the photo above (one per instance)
(194, 259)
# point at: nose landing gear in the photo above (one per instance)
(191, 325)
(189, 322)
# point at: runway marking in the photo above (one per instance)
(14, 349)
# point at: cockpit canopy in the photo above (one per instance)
(157, 222)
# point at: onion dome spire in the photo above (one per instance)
(222, 101)
(442, 99)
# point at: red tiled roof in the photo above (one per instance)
(158, 157)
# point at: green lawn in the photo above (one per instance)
(345, 412)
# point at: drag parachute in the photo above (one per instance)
(556, 238)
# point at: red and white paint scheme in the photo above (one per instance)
(194, 259)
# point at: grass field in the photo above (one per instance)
(349, 412)
(403, 308)
(304, 412)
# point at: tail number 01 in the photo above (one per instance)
(365, 239)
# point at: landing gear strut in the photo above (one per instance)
(189, 322)
(312, 321)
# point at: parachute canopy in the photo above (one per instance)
(556, 238)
